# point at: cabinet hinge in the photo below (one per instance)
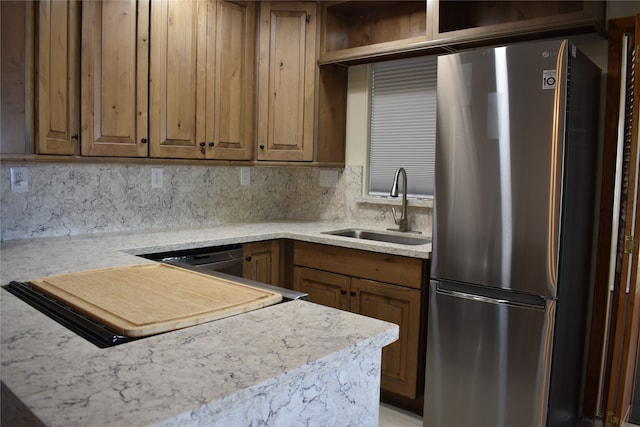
(629, 244)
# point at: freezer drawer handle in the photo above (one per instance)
(498, 301)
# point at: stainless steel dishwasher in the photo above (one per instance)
(224, 259)
(219, 261)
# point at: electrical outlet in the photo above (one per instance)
(328, 178)
(156, 177)
(245, 176)
(19, 180)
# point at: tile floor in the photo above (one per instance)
(390, 416)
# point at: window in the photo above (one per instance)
(402, 125)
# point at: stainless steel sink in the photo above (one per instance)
(381, 236)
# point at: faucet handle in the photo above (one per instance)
(393, 211)
(402, 223)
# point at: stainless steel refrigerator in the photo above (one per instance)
(515, 180)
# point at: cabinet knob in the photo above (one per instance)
(262, 146)
(143, 140)
(211, 144)
(353, 294)
(202, 144)
(247, 258)
(74, 136)
(343, 292)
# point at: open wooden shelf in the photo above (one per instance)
(364, 31)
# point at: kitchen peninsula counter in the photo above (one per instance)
(27, 259)
(286, 364)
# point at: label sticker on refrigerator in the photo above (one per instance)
(548, 79)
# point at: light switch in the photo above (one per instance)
(19, 180)
(328, 178)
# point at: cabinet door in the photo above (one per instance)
(56, 125)
(177, 73)
(17, 21)
(115, 56)
(286, 87)
(262, 262)
(324, 288)
(401, 306)
(230, 85)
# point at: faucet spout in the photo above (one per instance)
(402, 223)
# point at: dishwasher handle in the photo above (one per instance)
(210, 266)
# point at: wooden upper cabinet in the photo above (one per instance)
(114, 86)
(287, 80)
(201, 79)
(177, 78)
(17, 36)
(230, 82)
(56, 123)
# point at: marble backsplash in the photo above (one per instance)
(72, 198)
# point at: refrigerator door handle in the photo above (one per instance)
(498, 298)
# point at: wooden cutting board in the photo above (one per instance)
(142, 300)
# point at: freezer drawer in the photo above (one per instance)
(488, 360)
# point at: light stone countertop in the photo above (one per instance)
(33, 258)
(184, 377)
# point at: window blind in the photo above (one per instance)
(403, 124)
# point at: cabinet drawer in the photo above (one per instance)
(388, 268)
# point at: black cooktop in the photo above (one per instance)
(87, 328)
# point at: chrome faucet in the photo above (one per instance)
(403, 223)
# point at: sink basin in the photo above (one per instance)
(381, 236)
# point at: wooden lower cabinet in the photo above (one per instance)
(402, 305)
(324, 288)
(262, 262)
